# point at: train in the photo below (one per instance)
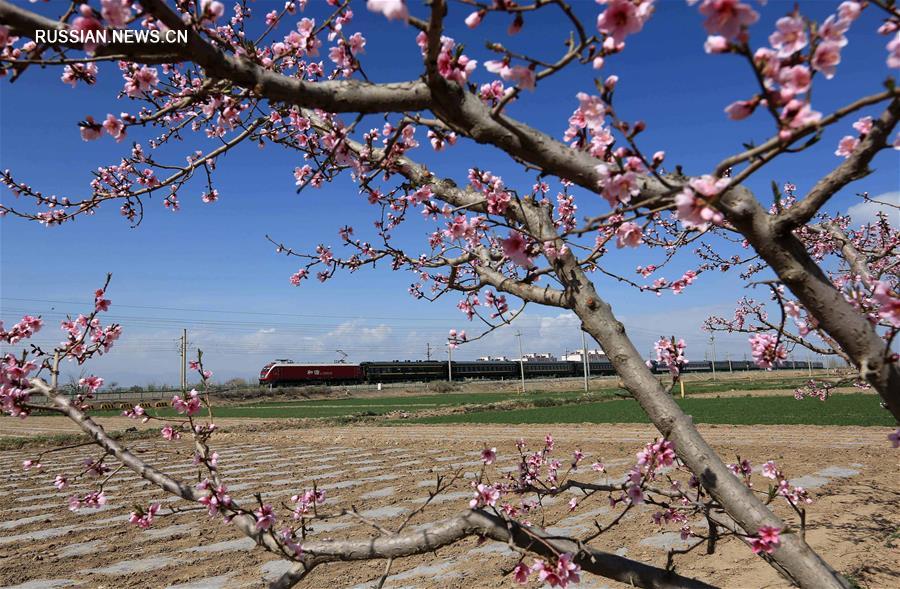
(288, 373)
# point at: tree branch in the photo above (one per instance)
(855, 167)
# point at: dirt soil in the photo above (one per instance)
(852, 474)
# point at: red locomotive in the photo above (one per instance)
(286, 372)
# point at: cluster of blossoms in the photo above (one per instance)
(622, 18)
(814, 388)
(85, 337)
(781, 486)
(144, 519)
(497, 304)
(629, 235)
(671, 354)
(24, 329)
(455, 338)
(14, 374)
(692, 203)
(786, 72)
(493, 189)
(91, 500)
(654, 456)
(767, 351)
(516, 248)
(217, 498)
(189, 406)
(849, 143)
(452, 64)
(555, 574)
(307, 501)
(888, 302)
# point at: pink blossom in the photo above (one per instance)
(92, 383)
(189, 406)
(136, 412)
(849, 10)
(514, 247)
(488, 455)
(116, 12)
(451, 66)
(766, 350)
(893, 47)
(90, 129)
(789, 36)
(357, 43)
(140, 81)
(635, 494)
(93, 500)
(629, 234)
(170, 433)
(217, 500)
(833, 30)
(798, 114)
(29, 464)
(619, 20)
(727, 17)
(740, 109)
(767, 537)
(671, 354)
(211, 10)
(391, 9)
(523, 76)
(716, 44)
(863, 125)
(770, 470)
(86, 25)
(889, 303)
(794, 80)
(474, 19)
(60, 482)
(115, 127)
(618, 187)
(693, 212)
(485, 495)
(565, 571)
(144, 519)
(826, 58)
(846, 146)
(265, 517)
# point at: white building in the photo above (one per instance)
(538, 357)
(493, 359)
(578, 356)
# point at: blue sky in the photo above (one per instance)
(209, 268)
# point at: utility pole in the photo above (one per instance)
(450, 363)
(808, 364)
(521, 359)
(184, 344)
(428, 351)
(584, 358)
(712, 340)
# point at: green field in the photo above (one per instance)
(368, 406)
(852, 409)
(599, 406)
